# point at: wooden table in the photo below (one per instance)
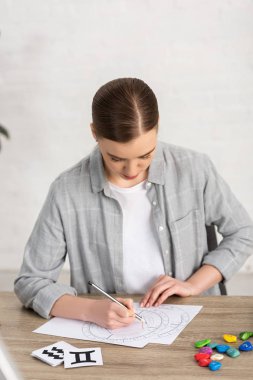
(219, 315)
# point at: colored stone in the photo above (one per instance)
(201, 355)
(204, 362)
(245, 335)
(246, 346)
(206, 350)
(217, 357)
(229, 338)
(202, 343)
(232, 352)
(212, 345)
(222, 348)
(214, 366)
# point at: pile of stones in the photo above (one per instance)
(206, 357)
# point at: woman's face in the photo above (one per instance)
(126, 164)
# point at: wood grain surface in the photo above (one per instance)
(219, 315)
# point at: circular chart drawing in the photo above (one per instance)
(159, 323)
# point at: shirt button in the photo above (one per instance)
(166, 251)
(148, 184)
(160, 228)
(154, 203)
(170, 274)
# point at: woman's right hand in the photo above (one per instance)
(110, 315)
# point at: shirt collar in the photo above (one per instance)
(157, 167)
(97, 173)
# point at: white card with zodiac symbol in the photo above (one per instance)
(82, 357)
(53, 354)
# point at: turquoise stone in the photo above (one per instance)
(212, 344)
(232, 352)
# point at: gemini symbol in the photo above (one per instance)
(87, 357)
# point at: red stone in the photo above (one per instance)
(204, 362)
(201, 355)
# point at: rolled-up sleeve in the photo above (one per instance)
(233, 223)
(44, 257)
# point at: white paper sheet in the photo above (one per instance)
(164, 324)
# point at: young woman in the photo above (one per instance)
(132, 218)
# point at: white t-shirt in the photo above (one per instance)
(142, 258)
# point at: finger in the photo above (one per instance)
(122, 312)
(144, 300)
(167, 293)
(160, 281)
(117, 324)
(153, 294)
(157, 291)
(125, 321)
(129, 303)
(178, 289)
(159, 278)
(121, 321)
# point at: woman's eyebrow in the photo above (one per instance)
(121, 158)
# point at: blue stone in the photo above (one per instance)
(246, 346)
(214, 366)
(222, 347)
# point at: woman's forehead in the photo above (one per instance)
(141, 146)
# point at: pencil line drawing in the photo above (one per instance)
(163, 325)
(160, 323)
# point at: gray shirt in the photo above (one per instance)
(82, 219)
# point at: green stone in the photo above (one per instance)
(245, 335)
(233, 352)
(202, 343)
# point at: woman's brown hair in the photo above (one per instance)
(124, 108)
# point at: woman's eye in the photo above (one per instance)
(145, 157)
(115, 159)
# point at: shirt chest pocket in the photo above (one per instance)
(186, 240)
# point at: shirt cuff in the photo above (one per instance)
(47, 296)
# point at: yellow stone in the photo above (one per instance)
(229, 338)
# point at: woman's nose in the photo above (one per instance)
(131, 169)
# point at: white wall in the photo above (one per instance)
(197, 55)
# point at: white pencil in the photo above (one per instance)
(114, 300)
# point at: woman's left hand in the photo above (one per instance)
(165, 287)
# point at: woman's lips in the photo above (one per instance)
(129, 178)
